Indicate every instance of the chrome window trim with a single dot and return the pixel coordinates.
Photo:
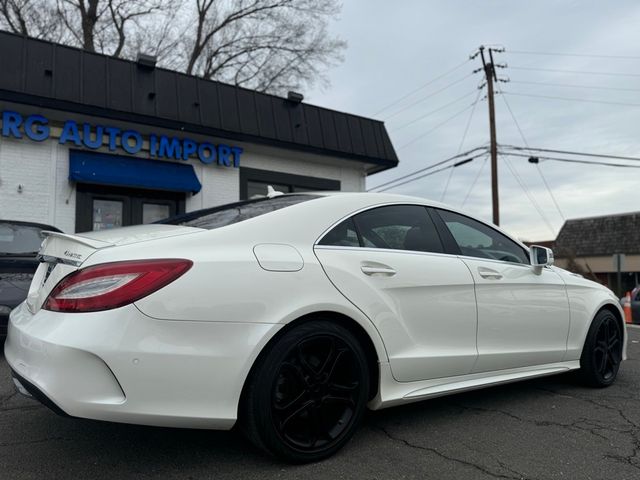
(378, 250)
(364, 209)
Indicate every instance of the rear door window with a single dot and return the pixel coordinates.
(395, 227)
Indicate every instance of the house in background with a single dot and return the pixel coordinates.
(588, 245)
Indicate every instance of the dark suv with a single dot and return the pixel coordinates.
(19, 245)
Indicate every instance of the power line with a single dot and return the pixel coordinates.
(420, 137)
(466, 128)
(571, 160)
(417, 178)
(558, 54)
(475, 180)
(528, 194)
(433, 165)
(464, 136)
(571, 99)
(421, 87)
(582, 72)
(544, 180)
(570, 152)
(411, 122)
(432, 94)
(446, 186)
(428, 174)
(569, 85)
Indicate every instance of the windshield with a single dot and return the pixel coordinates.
(224, 215)
(19, 239)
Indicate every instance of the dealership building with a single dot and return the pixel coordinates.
(92, 142)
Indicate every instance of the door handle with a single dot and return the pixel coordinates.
(378, 270)
(489, 273)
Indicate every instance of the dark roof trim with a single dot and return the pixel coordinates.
(49, 75)
(600, 236)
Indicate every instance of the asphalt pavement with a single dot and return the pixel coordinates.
(551, 428)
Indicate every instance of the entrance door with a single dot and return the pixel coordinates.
(100, 207)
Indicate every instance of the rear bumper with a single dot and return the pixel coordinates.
(123, 366)
(30, 390)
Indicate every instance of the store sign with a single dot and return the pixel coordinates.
(36, 128)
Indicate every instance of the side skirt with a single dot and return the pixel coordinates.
(392, 392)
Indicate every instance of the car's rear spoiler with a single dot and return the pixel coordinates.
(70, 249)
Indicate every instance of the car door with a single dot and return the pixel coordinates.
(523, 312)
(390, 263)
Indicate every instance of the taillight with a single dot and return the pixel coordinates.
(112, 285)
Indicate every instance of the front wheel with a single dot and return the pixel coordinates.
(602, 352)
(307, 395)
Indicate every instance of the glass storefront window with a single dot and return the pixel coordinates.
(107, 214)
(152, 212)
(259, 189)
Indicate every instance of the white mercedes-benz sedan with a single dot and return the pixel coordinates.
(291, 314)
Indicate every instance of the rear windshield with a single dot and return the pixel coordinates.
(19, 239)
(224, 215)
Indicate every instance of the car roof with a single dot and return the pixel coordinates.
(383, 197)
(373, 198)
(379, 197)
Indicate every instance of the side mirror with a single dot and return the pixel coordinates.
(540, 256)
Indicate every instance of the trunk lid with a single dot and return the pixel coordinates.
(62, 254)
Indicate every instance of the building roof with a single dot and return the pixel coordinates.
(54, 76)
(598, 236)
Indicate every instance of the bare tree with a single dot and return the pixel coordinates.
(30, 17)
(109, 26)
(268, 45)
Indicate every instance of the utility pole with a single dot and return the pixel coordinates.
(489, 69)
(490, 76)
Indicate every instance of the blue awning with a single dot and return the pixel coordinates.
(103, 169)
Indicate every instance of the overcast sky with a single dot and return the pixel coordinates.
(395, 47)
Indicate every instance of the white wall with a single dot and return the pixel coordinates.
(42, 168)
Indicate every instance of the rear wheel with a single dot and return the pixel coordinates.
(307, 396)
(602, 352)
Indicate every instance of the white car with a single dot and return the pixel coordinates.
(290, 315)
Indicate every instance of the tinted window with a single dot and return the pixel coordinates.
(342, 235)
(478, 240)
(19, 239)
(398, 227)
(224, 215)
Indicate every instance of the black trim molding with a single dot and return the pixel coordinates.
(58, 77)
(268, 176)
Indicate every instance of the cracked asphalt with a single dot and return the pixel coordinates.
(550, 428)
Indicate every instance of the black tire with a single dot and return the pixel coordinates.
(308, 393)
(602, 352)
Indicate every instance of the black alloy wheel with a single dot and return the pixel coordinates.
(602, 352)
(308, 394)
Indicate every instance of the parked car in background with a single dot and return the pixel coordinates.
(19, 245)
(294, 313)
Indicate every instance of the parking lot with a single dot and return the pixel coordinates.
(545, 428)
